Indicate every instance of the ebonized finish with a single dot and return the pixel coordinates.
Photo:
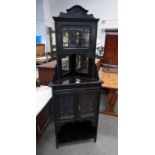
(76, 86)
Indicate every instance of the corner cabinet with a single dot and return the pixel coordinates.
(76, 86)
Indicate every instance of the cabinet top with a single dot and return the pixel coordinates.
(75, 12)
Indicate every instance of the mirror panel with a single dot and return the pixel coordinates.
(65, 65)
(82, 64)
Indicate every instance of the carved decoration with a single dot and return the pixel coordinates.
(87, 105)
(76, 12)
(66, 107)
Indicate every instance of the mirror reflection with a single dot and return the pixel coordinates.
(65, 65)
(82, 64)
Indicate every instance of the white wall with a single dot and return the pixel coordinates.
(43, 21)
(47, 21)
(40, 22)
(47, 12)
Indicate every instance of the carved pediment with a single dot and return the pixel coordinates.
(76, 11)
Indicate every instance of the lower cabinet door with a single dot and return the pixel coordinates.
(88, 103)
(65, 106)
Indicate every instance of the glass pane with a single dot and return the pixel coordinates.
(82, 64)
(65, 38)
(65, 65)
(76, 37)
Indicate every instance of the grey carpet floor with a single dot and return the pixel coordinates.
(106, 144)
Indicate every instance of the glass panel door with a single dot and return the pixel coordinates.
(76, 37)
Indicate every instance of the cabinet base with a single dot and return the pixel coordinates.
(76, 131)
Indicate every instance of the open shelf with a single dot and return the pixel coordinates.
(76, 131)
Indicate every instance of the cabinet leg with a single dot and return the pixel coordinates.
(56, 142)
(57, 146)
(95, 139)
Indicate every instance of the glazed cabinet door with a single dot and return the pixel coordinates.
(88, 102)
(65, 106)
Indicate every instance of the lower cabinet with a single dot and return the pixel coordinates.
(76, 115)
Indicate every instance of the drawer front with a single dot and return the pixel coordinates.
(88, 103)
(65, 106)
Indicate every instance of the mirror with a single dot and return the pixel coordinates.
(65, 65)
(82, 64)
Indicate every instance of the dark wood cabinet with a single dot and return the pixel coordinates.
(76, 86)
